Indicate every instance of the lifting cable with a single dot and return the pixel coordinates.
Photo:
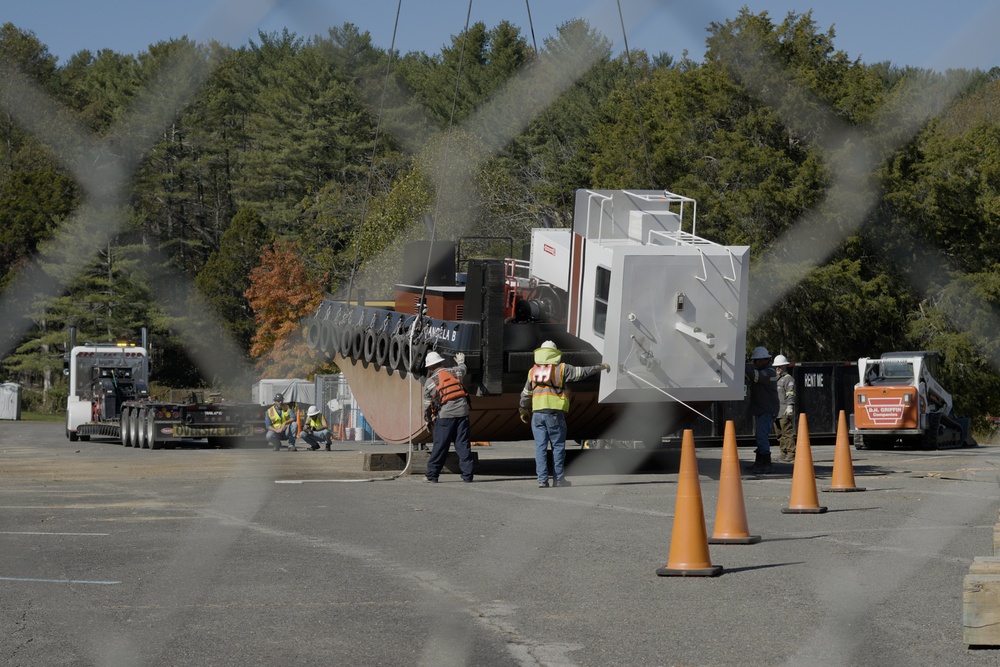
(666, 393)
(635, 94)
(548, 116)
(371, 164)
(417, 320)
(447, 152)
(625, 370)
(357, 247)
(421, 307)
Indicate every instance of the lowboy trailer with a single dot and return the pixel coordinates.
(109, 398)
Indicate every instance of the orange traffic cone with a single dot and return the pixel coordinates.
(804, 499)
(731, 513)
(689, 538)
(843, 469)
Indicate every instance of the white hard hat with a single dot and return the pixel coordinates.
(312, 411)
(760, 352)
(433, 359)
(550, 345)
(780, 360)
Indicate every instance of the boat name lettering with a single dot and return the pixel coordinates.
(442, 333)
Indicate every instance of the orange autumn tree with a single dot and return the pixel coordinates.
(281, 294)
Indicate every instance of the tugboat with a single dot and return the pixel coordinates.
(631, 284)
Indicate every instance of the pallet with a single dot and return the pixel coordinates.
(981, 598)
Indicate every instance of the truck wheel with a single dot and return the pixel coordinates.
(859, 441)
(71, 435)
(138, 420)
(130, 429)
(123, 427)
(150, 424)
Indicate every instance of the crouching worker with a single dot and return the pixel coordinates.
(316, 430)
(281, 424)
(446, 408)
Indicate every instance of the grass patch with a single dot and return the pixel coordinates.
(41, 417)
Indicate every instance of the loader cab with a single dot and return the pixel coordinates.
(901, 368)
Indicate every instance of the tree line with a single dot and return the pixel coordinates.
(300, 166)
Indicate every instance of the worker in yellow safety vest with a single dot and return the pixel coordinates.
(544, 404)
(316, 430)
(281, 424)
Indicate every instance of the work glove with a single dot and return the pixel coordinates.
(525, 416)
(606, 368)
(459, 358)
(789, 411)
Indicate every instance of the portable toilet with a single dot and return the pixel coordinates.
(10, 401)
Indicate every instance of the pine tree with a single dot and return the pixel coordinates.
(226, 276)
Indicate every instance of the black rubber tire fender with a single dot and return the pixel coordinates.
(369, 345)
(346, 340)
(334, 337)
(330, 333)
(314, 335)
(358, 343)
(396, 352)
(381, 349)
(419, 355)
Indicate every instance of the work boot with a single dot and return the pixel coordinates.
(761, 463)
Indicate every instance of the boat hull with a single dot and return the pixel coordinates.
(393, 405)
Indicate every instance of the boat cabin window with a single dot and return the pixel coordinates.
(602, 292)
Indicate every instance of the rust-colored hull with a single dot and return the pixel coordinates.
(383, 399)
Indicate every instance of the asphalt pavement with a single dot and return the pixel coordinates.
(112, 556)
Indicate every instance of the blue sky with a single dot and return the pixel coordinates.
(922, 33)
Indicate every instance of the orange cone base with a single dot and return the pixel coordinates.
(713, 571)
(803, 510)
(749, 539)
(846, 490)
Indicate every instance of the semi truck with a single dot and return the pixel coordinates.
(109, 398)
(898, 401)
